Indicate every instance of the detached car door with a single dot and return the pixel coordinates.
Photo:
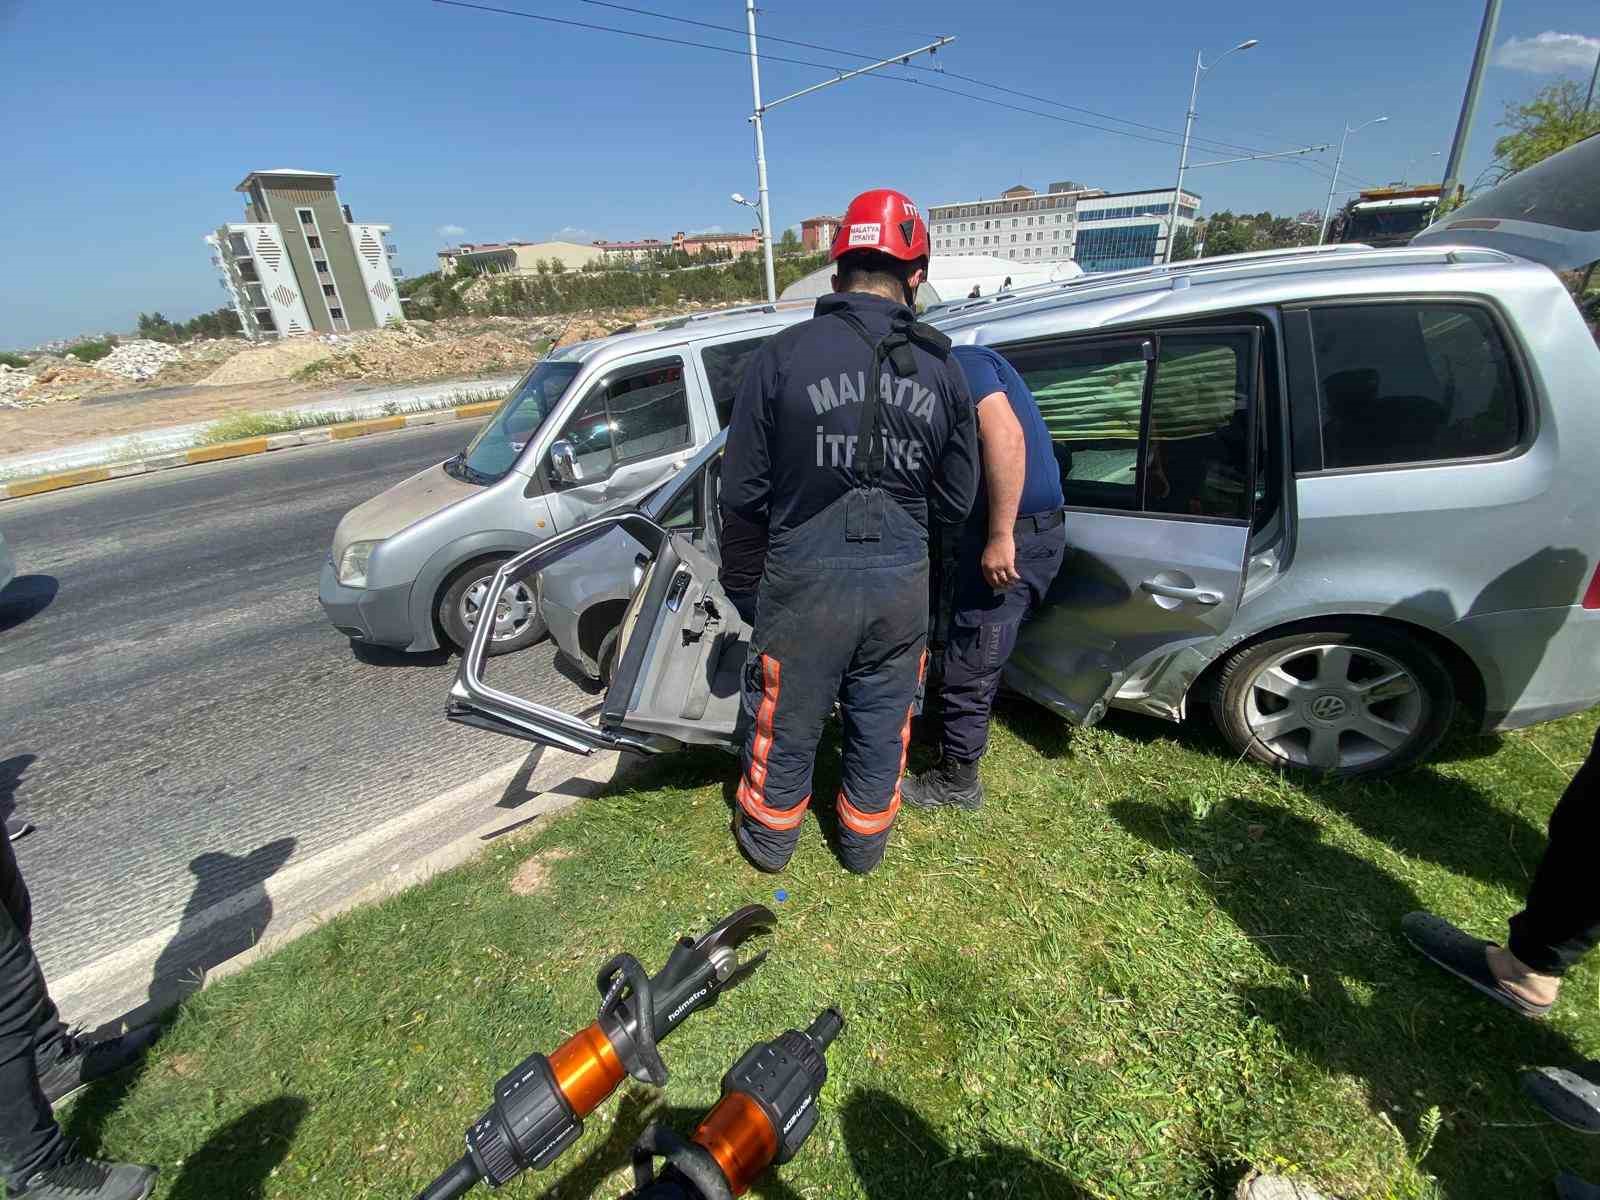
(1156, 437)
(681, 651)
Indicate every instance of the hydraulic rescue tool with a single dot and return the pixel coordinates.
(767, 1111)
(540, 1104)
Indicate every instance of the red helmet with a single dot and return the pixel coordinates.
(883, 220)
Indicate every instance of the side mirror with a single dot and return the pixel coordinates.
(564, 461)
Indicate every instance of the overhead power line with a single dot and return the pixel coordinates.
(744, 53)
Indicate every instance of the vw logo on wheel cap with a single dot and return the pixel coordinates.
(1329, 707)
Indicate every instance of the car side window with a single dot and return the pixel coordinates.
(640, 413)
(725, 363)
(1092, 400)
(1413, 383)
(1198, 452)
(684, 511)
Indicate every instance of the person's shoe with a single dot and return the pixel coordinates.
(945, 784)
(1570, 1187)
(1471, 959)
(1565, 1097)
(80, 1178)
(84, 1062)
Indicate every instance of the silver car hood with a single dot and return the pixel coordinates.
(406, 503)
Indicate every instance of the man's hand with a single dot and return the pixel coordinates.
(999, 562)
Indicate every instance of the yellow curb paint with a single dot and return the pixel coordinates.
(202, 454)
(355, 429)
(50, 483)
(468, 411)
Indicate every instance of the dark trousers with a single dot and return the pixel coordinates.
(983, 629)
(30, 1033)
(841, 615)
(1560, 920)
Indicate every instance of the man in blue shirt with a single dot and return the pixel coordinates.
(1006, 556)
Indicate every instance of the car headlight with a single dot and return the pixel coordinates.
(353, 563)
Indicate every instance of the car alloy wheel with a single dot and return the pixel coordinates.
(1333, 707)
(512, 614)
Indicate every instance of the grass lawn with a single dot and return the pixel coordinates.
(1140, 969)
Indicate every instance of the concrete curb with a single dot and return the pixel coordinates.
(39, 484)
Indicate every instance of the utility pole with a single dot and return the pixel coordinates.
(762, 109)
(1188, 127)
(1333, 184)
(1589, 102)
(761, 156)
(1469, 102)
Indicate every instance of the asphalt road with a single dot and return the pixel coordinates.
(178, 718)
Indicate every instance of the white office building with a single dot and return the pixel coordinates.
(1100, 230)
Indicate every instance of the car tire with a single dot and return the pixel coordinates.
(605, 660)
(519, 612)
(1347, 699)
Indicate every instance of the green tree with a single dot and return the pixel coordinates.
(788, 243)
(1183, 245)
(1553, 120)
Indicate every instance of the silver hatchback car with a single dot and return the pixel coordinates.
(1340, 496)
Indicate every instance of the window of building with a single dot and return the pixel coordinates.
(329, 290)
(314, 242)
(307, 217)
(336, 313)
(725, 364)
(1117, 249)
(265, 321)
(320, 264)
(239, 244)
(1412, 383)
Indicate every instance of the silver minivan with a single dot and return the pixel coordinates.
(592, 426)
(1339, 496)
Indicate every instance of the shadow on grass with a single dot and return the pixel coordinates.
(897, 1155)
(1361, 1002)
(238, 1159)
(633, 1114)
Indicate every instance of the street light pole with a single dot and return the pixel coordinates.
(1333, 184)
(1188, 129)
(1469, 102)
(1589, 100)
(761, 156)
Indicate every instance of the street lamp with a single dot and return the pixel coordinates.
(1327, 213)
(1188, 126)
(738, 198)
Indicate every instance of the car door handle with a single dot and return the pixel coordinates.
(1173, 592)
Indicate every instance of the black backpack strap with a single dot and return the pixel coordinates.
(870, 445)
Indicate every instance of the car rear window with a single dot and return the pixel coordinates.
(1413, 383)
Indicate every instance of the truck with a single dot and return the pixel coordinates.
(1386, 216)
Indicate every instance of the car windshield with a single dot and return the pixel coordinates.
(1387, 226)
(491, 454)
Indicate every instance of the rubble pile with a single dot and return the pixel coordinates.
(12, 382)
(138, 359)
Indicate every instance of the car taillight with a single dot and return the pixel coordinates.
(1591, 594)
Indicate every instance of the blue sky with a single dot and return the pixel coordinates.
(128, 125)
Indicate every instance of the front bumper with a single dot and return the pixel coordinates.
(379, 615)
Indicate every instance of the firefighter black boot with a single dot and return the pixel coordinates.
(945, 783)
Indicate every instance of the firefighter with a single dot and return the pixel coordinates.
(1004, 560)
(849, 433)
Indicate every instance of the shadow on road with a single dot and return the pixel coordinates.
(372, 655)
(227, 913)
(25, 597)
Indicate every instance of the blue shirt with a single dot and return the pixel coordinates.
(988, 372)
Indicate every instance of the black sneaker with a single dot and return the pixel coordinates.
(80, 1178)
(947, 783)
(84, 1062)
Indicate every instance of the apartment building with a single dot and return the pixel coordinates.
(817, 233)
(299, 262)
(1100, 230)
(515, 258)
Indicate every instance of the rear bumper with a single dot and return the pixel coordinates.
(1538, 664)
(378, 615)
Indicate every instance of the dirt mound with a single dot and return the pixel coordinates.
(64, 379)
(278, 360)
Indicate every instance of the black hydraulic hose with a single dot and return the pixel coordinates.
(456, 1181)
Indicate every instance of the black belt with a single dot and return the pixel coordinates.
(1040, 522)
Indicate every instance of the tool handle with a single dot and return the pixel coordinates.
(456, 1181)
